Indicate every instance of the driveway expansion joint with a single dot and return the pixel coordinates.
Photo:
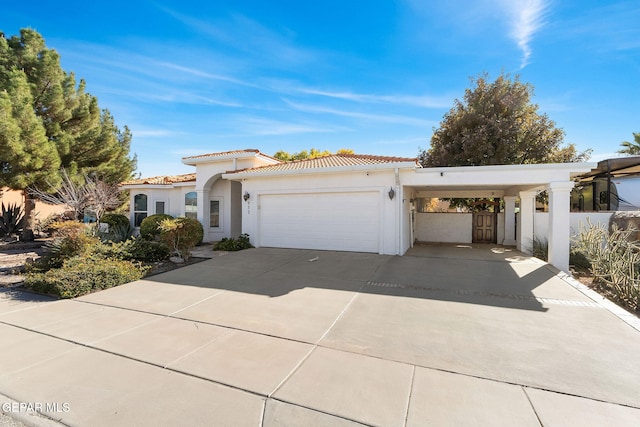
(552, 301)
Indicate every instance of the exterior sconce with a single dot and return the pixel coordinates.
(246, 196)
(392, 193)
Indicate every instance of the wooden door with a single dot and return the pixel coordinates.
(484, 227)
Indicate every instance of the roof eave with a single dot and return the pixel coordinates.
(155, 186)
(310, 171)
(573, 168)
(193, 161)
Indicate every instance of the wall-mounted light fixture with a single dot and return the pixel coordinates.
(392, 193)
(246, 196)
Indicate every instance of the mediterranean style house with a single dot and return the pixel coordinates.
(353, 202)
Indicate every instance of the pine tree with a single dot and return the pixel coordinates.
(86, 138)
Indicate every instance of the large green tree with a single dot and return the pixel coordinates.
(311, 154)
(496, 123)
(49, 122)
(631, 148)
(85, 137)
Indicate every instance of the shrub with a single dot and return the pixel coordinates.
(149, 227)
(615, 262)
(226, 244)
(144, 250)
(111, 250)
(540, 248)
(12, 220)
(70, 240)
(116, 233)
(119, 228)
(80, 276)
(115, 220)
(46, 225)
(181, 235)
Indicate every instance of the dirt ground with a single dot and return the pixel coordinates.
(13, 257)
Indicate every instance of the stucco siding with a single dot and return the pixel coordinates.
(444, 227)
(577, 220)
(340, 184)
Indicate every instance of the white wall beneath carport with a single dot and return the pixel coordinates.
(449, 227)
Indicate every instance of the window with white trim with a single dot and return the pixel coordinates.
(214, 214)
(139, 208)
(191, 205)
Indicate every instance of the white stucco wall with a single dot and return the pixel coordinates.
(173, 198)
(450, 227)
(577, 219)
(444, 227)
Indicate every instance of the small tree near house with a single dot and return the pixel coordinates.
(93, 194)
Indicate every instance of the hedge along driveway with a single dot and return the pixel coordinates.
(311, 337)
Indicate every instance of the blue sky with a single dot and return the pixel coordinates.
(374, 76)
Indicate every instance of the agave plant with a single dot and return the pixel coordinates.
(12, 220)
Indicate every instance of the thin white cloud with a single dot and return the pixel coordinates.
(250, 38)
(416, 101)
(386, 118)
(263, 127)
(526, 18)
(200, 73)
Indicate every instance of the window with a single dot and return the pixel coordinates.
(191, 205)
(159, 207)
(214, 213)
(139, 208)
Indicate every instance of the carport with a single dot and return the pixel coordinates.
(510, 183)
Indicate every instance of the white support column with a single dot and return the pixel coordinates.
(559, 224)
(527, 211)
(509, 221)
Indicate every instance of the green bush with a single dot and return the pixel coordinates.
(149, 227)
(46, 226)
(144, 250)
(129, 250)
(115, 220)
(70, 240)
(181, 235)
(80, 276)
(226, 244)
(111, 250)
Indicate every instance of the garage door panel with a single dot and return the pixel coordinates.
(329, 221)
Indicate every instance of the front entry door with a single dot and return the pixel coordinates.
(484, 227)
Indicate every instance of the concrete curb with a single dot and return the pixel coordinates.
(622, 314)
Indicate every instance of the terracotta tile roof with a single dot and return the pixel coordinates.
(330, 161)
(162, 180)
(228, 153)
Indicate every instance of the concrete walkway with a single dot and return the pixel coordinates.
(446, 335)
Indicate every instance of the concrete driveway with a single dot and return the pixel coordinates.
(446, 335)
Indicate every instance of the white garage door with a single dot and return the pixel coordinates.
(327, 221)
